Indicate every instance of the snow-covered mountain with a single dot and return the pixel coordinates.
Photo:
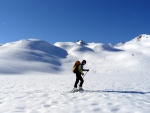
(30, 55)
(81, 42)
(142, 37)
(37, 55)
(118, 80)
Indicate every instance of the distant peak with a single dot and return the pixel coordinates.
(81, 42)
(142, 36)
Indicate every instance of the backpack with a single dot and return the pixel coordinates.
(74, 69)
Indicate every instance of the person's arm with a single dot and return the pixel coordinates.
(84, 69)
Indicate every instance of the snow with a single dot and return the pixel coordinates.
(30, 55)
(36, 77)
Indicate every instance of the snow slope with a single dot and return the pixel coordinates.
(118, 80)
(30, 55)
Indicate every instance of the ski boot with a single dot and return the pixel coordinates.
(74, 90)
(81, 89)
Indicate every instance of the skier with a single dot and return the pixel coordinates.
(79, 71)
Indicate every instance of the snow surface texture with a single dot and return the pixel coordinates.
(36, 77)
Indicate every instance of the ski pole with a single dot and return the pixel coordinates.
(85, 74)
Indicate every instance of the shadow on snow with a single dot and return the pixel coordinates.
(111, 91)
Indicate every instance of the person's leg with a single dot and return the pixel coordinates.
(77, 80)
(81, 81)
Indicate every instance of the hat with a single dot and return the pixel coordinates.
(84, 62)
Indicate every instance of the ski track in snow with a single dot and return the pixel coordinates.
(50, 94)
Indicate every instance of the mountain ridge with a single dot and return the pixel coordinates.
(41, 56)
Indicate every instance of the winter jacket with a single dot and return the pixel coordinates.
(81, 69)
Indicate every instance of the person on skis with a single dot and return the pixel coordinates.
(79, 71)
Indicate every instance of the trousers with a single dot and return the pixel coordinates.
(78, 78)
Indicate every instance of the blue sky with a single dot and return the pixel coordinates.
(69, 20)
